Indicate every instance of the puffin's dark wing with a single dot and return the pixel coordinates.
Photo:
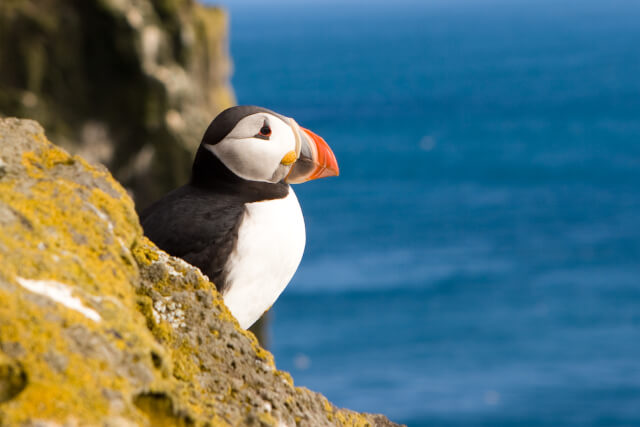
(198, 226)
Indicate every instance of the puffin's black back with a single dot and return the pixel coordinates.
(199, 222)
(198, 226)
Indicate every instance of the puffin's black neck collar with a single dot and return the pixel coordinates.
(210, 173)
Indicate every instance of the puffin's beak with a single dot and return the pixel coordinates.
(316, 159)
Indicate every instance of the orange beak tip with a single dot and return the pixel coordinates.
(326, 162)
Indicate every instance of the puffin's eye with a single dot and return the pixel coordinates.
(265, 131)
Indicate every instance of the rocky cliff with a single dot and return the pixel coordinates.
(100, 327)
(129, 83)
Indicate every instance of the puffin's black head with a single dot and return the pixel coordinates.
(256, 144)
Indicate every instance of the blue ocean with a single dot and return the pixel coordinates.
(477, 262)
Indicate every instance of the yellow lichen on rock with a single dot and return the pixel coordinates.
(100, 327)
(55, 258)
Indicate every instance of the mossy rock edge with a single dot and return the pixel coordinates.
(100, 327)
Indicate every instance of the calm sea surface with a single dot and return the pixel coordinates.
(477, 263)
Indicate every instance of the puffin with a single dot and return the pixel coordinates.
(238, 219)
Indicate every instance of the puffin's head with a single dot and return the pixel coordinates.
(257, 144)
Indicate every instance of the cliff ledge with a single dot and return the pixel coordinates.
(100, 327)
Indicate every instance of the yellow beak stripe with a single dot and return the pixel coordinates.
(289, 158)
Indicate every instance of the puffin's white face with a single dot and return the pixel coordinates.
(260, 147)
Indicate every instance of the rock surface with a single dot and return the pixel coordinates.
(100, 327)
(131, 84)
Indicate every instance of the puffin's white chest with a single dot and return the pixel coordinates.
(270, 244)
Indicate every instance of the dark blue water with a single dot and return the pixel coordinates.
(477, 263)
